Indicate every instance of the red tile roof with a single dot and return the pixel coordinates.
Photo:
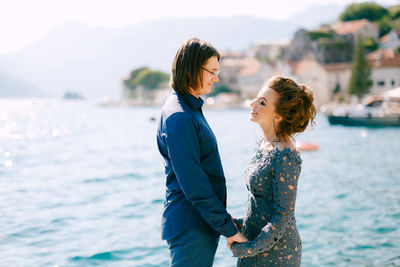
(384, 38)
(387, 62)
(350, 26)
(381, 54)
(342, 66)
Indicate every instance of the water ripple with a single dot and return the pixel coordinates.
(86, 187)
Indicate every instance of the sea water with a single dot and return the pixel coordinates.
(83, 185)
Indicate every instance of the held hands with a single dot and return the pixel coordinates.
(238, 238)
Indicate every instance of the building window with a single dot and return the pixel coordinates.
(381, 83)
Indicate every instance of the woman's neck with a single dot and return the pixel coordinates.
(271, 140)
(269, 134)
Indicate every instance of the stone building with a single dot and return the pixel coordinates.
(267, 51)
(331, 43)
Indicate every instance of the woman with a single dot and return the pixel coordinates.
(282, 109)
(195, 205)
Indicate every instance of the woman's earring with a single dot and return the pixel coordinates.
(274, 126)
(277, 138)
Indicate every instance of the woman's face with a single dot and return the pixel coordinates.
(211, 66)
(263, 107)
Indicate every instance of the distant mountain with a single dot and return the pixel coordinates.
(314, 16)
(57, 62)
(93, 61)
(13, 87)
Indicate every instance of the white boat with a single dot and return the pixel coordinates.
(375, 110)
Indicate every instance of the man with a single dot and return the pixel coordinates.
(195, 206)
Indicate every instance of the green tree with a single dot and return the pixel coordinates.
(370, 44)
(360, 81)
(395, 24)
(145, 77)
(394, 12)
(315, 35)
(223, 89)
(384, 26)
(152, 79)
(369, 10)
(130, 81)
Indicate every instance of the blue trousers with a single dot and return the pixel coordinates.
(193, 248)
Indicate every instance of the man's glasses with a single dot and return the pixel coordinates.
(212, 73)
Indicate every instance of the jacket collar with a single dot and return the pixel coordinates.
(193, 102)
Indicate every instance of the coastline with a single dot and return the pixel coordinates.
(209, 103)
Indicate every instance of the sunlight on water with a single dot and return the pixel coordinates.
(82, 185)
(363, 134)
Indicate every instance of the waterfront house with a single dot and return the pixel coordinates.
(231, 63)
(246, 74)
(327, 81)
(391, 40)
(385, 73)
(252, 77)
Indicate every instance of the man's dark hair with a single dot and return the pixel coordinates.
(186, 67)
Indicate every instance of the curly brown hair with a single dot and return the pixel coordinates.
(295, 106)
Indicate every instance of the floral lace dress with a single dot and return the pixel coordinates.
(269, 222)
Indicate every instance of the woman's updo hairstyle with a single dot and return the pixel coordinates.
(295, 106)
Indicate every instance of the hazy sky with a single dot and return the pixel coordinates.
(23, 22)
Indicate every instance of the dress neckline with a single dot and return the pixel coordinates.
(285, 150)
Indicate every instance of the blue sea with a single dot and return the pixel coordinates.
(83, 185)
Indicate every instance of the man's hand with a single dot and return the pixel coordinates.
(239, 238)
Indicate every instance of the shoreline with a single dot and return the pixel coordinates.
(135, 103)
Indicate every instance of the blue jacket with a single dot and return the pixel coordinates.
(195, 181)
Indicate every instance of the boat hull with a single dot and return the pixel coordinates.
(367, 121)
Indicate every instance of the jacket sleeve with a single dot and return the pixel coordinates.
(184, 151)
(239, 223)
(284, 184)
